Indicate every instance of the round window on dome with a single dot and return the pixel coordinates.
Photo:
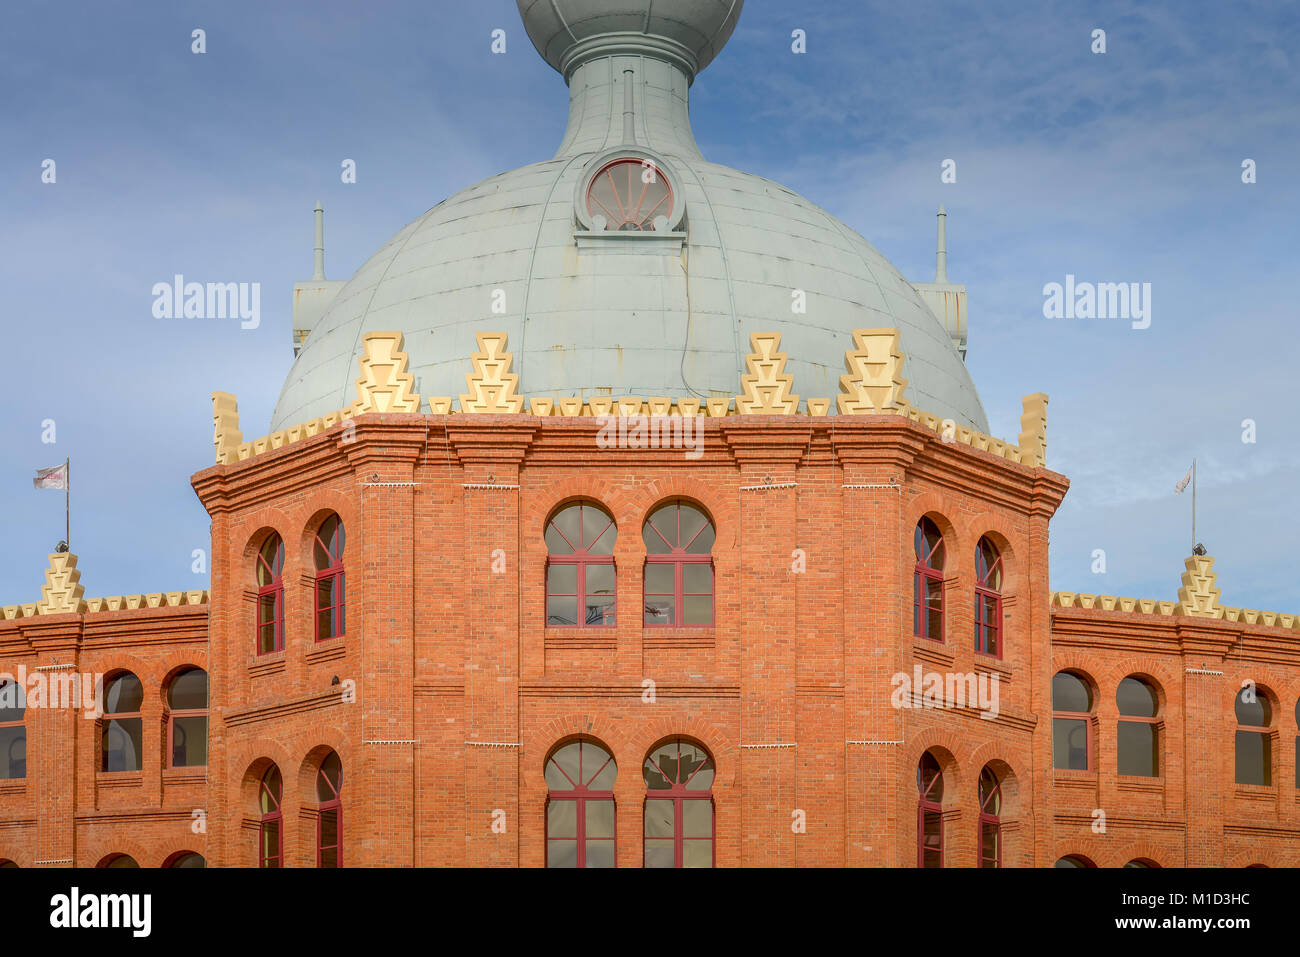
(630, 195)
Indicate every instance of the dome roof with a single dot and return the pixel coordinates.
(656, 311)
(566, 32)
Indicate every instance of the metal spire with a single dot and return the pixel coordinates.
(941, 257)
(318, 271)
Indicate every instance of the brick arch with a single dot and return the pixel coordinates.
(306, 769)
(999, 531)
(181, 852)
(99, 848)
(251, 763)
(721, 509)
(1160, 675)
(1267, 680)
(1267, 856)
(939, 509)
(1092, 847)
(254, 530)
(598, 727)
(719, 744)
(552, 496)
(1013, 804)
(1086, 668)
(315, 511)
(1165, 857)
(172, 663)
(954, 771)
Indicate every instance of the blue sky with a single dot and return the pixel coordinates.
(1117, 167)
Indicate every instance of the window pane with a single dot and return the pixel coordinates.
(123, 694)
(189, 690)
(561, 853)
(270, 843)
(599, 525)
(1136, 742)
(187, 861)
(600, 854)
(697, 610)
(1070, 693)
(697, 578)
(600, 819)
(566, 523)
(121, 745)
(1136, 698)
(562, 819)
(658, 611)
(703, 543)
(989, 849)
(658, 818)
(1255, 714)
(190, 741)
(697, 854)
(600, 580)
(561, 579)
(1253, 758)
(13, 752)
(555, 543)
(657, 775)
(664, 519)
(659, 578)
(13, 702)
(122, 860)
(697, 819)
(562, 611)
(329, 857)
(562, 768)
(599, 610)
(659, 853)
(595, 761)
(692, 520)
(1070, 744)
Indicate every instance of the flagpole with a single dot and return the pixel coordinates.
(1193, 506)
(67, 501)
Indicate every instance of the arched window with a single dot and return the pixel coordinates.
(929, 812)
(185, 859)
(580, 806)
(1137, 738)
(678, 566)
(121, 729)
(990, 789)
(1074, 860)
(1142, 862)
(1071, 722)
(988, 599)
(331, 620)
(580, 566)
(7, 864)
(118, 860)
(13, 731)
(628, 199)
(1254, 737)
(187, 720)
(270, 842)
(679, 805)
(329, 823)
(270, 596)
(927, 618)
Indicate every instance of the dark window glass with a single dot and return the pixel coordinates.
(678, 813)
(1137, 699)
(580, 806)
(1138, 751)
(1070, 693)
(1254, 758)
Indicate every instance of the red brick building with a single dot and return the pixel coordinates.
(722, 625)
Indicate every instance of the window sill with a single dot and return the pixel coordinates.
(119, 779)
(194, 775)
(1065, 777)
(632, 242)
(12, 786)
(1140, 783)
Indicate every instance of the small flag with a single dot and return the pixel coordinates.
(1182, 483)
(56, 477)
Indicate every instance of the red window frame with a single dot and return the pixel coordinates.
(928, 576)
(270, 791)
(174, 713)
(332, 805)
(582, 559)
(19, 722)
(988, 599)
(328, 555)
(109, 718)
(270, 581)
(990, 795)
(929, 783)
(679, 793)
(580, 794)
(679, 557)
(1084, 716)
(627, 215)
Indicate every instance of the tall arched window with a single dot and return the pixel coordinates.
(331, 620)
(679, 805)
(270, 596)
(13, 731)
(990, 790)
(121, 730)
(927, 617)
(187, 719)
(1137, 736)
(1071, 722)
(329, 822)
(988, 599)
(929, 812)
(678, 566)
(1254, 737)
(580, 805)
(270, 843)
(580, 566)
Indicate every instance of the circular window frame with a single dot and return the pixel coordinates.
(602, 161)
